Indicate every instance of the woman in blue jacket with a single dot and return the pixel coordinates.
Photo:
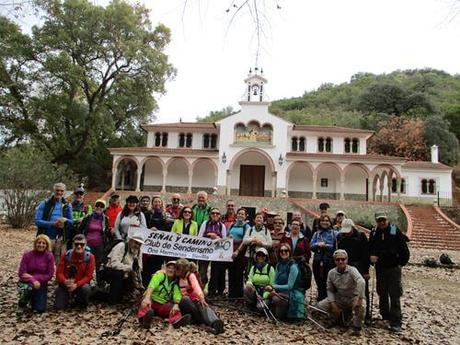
(323, 244)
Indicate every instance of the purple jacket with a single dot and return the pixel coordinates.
(40, 265)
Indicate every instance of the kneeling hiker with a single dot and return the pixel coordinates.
(345, 291)
(123, 268)
(162, 298)
(74, 273)
(287, 294)
(261, 274)
(193, 301)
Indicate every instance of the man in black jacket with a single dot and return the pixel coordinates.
(388, 252)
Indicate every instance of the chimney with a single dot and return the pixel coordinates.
(434, 154)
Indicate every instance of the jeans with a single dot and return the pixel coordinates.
(80, 296)
(98, 252)
(217, 279)
(236, 276)
(40, 299)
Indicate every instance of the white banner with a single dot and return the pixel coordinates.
(185, 246)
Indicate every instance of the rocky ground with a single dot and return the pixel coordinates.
(431, 307)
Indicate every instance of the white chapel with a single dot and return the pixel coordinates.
(255, 153)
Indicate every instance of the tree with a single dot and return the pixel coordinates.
(439, 134)
(400, 136)
(394, 99)
(452, 115)
(26, 177)
(82, 79)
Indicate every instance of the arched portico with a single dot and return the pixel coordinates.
(204, 175)
(125, 173)
(252, 173)
(300, 180)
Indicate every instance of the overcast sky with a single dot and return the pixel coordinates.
(307, 43)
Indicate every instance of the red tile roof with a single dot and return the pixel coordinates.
(333, 129)
(426, 165)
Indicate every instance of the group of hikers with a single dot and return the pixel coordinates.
(270, 271)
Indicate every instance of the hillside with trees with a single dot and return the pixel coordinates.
(409, 110)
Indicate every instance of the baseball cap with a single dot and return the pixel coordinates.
(347, 225)
(379, 215)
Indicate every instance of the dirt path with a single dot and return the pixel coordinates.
(431, 306)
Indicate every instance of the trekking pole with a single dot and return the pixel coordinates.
(266, 309)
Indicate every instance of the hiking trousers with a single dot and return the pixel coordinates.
(80, 295)
(389, 289)
(199, 313)
(346, 305)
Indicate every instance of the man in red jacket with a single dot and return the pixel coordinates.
(74, 273)
(113, 210)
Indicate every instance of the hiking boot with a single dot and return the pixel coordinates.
(356, 331)
(218, 326)
(183, 321)
(395, 328)
(146, 320)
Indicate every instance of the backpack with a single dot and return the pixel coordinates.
(163, 286)
(86, 255)
(430, 262)
(198, 277)
(445, 259)
(108, 250)
(303, 280)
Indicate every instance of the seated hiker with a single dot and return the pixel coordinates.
(162, 299)
(74, 273)
(123, 268)
(345, 291)
(286, 294)
(193, 301)
(261, 274)
(35, 271)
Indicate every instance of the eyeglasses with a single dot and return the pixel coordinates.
(284, 251)
(175, 200)
(99, 205)
(340, 259)
(215, 213)
(230, 205)
(187, 212)
(79, 244)
(381, 220)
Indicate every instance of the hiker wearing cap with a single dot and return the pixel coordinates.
(201, 209)
(95, 227)
(53, 218)
(214, 229)
(236, 268)
(35, 271)
(286, 294)
(323, 244)
(162, 299)
(345, 291)
(113, 210)
(304, 228)
(123, 268)
(323, 207)
(260, 275)
(193, 301)
(74, 274)
(356, 244)
(339, 217)
(80, 209)
(388, 252)
(130, 216)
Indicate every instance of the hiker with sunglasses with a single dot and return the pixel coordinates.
(173, 210)
(286, 295)
(184, 224)
(345, 292)
(214, 229)
(260, 275)
(74, 274)
(95, 227)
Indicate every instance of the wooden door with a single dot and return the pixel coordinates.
(252, 180)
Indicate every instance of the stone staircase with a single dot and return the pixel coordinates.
(431, 230)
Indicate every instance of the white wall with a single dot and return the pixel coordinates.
(355, 181)
(203, 175)
(414, 182)
(177, 174)
(153, 173)
(300, 179)
(333, 176)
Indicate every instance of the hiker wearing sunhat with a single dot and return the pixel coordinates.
(388, 252)
(162, 299)
(95, 227)
(261, 275)
(339, 217)
(355, 243)
(129, 217)
(123, 268)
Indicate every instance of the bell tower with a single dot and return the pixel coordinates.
(255, 84)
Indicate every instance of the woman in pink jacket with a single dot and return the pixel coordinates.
(35, 271)
(193, 301)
